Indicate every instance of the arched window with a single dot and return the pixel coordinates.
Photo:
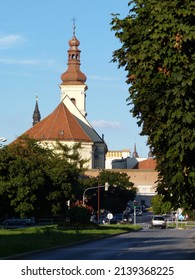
(73, 101)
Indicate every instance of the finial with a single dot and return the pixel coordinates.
(36, 97)
(74, 26)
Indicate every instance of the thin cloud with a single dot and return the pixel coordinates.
(19, 61)
(10, 41)
(23, 61)
(106, 124)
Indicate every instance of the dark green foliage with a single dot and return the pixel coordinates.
(79, 213)
(158, 53)
(37, 181)
(159, 206)
(119, 193)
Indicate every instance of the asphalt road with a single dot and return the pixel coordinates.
(147, 244)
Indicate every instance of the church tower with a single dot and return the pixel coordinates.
(36, 114)
(68, 123)
(135, 154)
(73, 80)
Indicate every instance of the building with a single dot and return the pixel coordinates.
(143, 179)
(141, 171)
(68, 123)
(116, 155)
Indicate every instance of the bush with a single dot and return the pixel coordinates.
(159, 206)
(79, 213)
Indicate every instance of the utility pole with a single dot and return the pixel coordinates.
(98, 187)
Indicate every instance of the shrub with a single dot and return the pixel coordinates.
(79, 213)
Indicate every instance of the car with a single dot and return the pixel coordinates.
(158, 221)
(119, 218)
(143, 208)
(138, 212)
(168, 217)
(17, 222)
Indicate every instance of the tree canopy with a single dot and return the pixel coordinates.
(37, 181)
(158, 54)
(120, 191)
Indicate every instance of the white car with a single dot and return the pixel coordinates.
(158, 221)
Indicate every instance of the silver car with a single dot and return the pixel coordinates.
(158, 221)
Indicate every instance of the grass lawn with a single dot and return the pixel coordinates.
(17, 241)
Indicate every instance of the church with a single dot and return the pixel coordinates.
(68, 123)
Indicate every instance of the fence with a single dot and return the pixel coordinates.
(181, 224)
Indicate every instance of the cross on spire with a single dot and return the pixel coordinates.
(74, 26)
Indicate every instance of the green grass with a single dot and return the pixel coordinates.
(18, 241)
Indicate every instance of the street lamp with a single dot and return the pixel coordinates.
(92, 188)
(98, 187)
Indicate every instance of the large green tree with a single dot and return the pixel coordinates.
(37, 181)
(120, 191)
(158, 53)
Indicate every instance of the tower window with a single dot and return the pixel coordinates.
(73, 101)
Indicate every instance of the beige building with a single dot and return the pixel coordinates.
(144, 180)
(114, 155)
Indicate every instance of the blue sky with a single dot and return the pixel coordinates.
(34, 39)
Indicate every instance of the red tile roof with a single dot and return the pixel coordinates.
(59, 125)
(149, 163)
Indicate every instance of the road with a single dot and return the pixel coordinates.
(147, 244)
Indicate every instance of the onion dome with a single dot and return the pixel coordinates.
(73, 75)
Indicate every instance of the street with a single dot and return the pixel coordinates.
(147, 244)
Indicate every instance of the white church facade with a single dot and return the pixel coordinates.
(68, 123)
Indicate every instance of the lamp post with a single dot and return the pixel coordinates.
(92, 188)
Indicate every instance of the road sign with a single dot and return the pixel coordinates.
(110, 216)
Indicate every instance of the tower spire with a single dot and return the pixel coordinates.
(73, 79)
(36, 114)
(135, 154)
(150, 154)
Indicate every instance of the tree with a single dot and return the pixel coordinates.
(22, 177)
(158, 53)
(64, 171)
(37, 181)
(119, 193)
(159, 206)
(156, 203)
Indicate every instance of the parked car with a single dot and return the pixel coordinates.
(158, 221)
(119, 218)
(17, 222)
(138, 212)
(143, 208)
(168, 217)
